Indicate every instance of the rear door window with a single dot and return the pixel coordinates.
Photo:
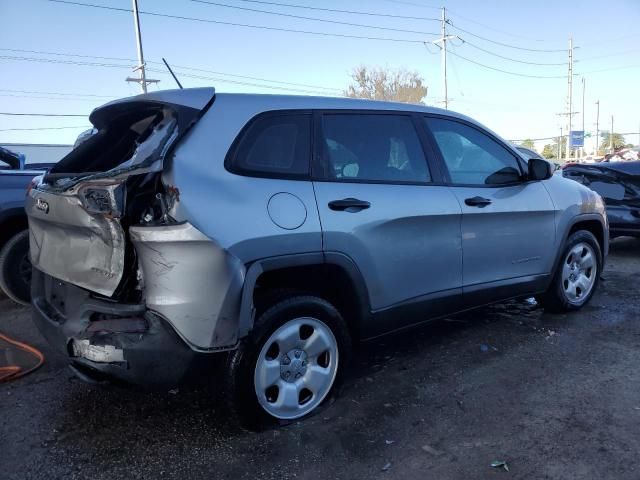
(471, 156)
(371, 148)
(274, 145)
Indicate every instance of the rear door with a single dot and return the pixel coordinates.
(508, 223)
(382, 205)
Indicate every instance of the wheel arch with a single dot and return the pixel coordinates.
(593, 223)
(331, 275)
(12, 221)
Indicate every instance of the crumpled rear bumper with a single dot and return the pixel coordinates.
(109, 341)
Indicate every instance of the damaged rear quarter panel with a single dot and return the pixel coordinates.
(191, 281)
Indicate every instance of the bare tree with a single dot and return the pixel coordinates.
(385, 84)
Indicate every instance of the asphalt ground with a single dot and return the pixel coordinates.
(553, 396)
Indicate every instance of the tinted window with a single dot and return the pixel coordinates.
(472, 157)
(277, 145)
(369, 147)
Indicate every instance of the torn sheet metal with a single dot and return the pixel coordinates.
(191, 281)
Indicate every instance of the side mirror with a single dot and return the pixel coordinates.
(539, 169)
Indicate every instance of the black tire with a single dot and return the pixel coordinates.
(238, 379)
(15, 268)
(554, 299)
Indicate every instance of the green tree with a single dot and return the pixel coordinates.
(605, 143)
(550, 151)
(528, 143)
(384, 84)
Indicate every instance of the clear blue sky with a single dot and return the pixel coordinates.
(515, 107)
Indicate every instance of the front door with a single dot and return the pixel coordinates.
(508, 226)
(379, 205)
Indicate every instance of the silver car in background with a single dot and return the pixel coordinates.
(273, 231)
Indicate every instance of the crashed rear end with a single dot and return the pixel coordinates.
(113, 269)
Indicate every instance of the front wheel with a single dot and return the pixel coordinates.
(577, 275)
(291, 363)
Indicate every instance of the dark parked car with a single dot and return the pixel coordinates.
(15, 267)
(619, 185)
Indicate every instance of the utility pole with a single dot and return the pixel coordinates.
(142, 79)
(443, 49)
(560, 145)
(584, 83)
(597, 126)
(611, 136)
(570, 97)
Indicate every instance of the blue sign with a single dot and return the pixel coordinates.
(577, 138)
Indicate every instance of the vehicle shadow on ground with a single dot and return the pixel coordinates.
(125, 416)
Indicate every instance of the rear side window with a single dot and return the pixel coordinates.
(471, 156)
(274, 145)
(369, 147)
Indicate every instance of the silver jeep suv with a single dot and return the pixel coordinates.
(274, 231)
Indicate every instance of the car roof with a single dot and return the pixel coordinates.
(195, 97)
(630, 168)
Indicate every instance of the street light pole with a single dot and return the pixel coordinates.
(611, 136)
(584, 82)
(570, 99)
(597, 126)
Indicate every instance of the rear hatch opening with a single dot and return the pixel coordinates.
(81, 210)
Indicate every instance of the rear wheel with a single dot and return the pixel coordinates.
(290, 364)
(577, 275)
(15, 268)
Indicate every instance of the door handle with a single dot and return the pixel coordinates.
(349, 204)
(479, 202)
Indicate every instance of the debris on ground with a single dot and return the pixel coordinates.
(500, 464)
(386, 467)
(389, 442)
(431, 450)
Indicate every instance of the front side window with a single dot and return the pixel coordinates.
(472, 157)
(275, 145)
(370, 147)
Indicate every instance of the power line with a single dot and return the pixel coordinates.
(59, 93)
(183, 67)
(335, 10)
(400, 2)
(505, 71)
(624, 67)
(616, 54)
(40, 97)
(64, 62)
(512, 59)
(86, 63)
(467, 19)
(500, 43)
(237, 82)
(43, 114)
(18, 50)
(315, 19)
(233, 24)
(42, 128)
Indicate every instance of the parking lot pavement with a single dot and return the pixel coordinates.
(555, 396)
